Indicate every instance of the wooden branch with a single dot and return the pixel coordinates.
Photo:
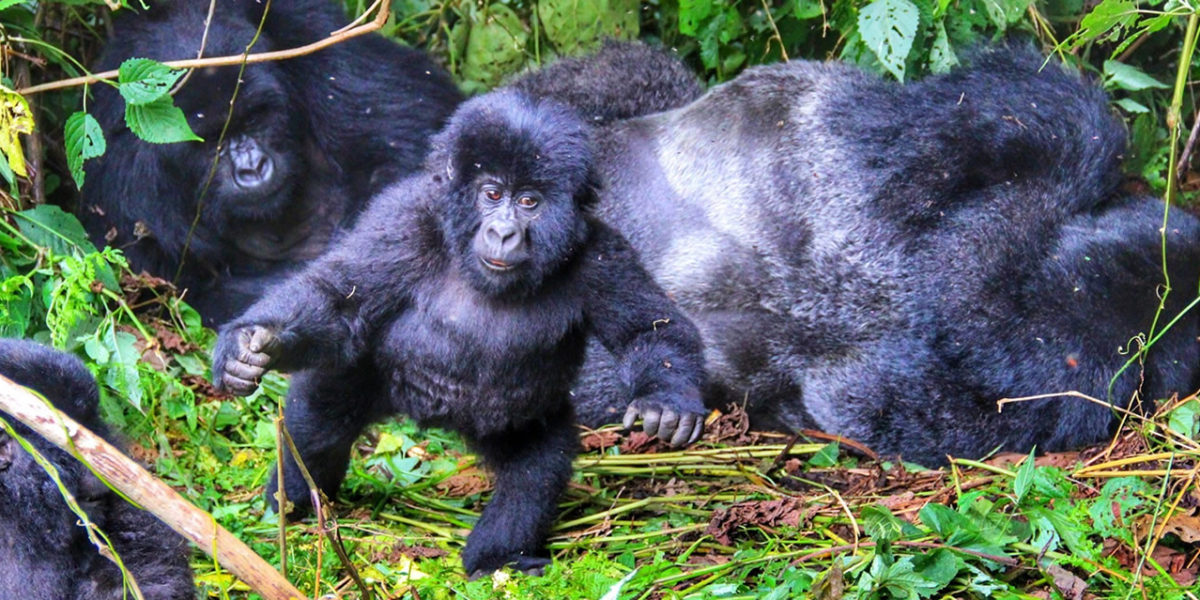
(126, 476)
(224, 61)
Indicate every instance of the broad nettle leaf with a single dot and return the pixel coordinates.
(84, 139)
(159, 122)
(888, 28)
(143, 81)
(692, 13)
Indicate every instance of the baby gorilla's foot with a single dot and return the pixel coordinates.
(529, 565)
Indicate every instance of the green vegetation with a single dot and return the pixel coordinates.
(742, 515)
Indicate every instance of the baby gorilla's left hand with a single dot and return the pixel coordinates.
(674, 419)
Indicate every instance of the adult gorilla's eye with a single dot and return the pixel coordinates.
(527, 201)
(492, 193)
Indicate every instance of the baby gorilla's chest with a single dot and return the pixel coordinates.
(463, 360)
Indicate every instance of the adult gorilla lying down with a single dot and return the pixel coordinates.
(886, 261)
(309, 140)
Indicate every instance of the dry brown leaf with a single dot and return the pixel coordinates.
(594, 441)
(765, 513)
(1068, 583)
(467, 483)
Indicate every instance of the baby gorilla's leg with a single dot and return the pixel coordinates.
(531, 467)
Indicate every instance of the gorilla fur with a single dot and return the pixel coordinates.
(886, 261)
(44, 552)
(309, 140)
(622, 80)
(463, 299)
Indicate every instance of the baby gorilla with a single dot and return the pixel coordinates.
(45, 553)
(464, 298)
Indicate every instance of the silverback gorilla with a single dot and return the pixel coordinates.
(886, 261)
(44, 551)
(309, 140)
(463, 299)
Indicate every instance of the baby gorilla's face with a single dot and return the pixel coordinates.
(515, 234)
(506, 213)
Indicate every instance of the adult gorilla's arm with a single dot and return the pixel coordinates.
(325, 315)
(659, 352)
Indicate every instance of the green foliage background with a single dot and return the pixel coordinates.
(989, 532)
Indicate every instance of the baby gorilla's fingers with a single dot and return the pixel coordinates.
(260, 340)
(243, 370)
(238, 386)
(690, 426)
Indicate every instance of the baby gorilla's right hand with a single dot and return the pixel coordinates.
(241, 358)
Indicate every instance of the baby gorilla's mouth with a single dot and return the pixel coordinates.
(495, 264)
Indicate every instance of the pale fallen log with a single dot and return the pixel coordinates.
(137, 484)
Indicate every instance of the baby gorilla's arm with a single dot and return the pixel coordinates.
(657, 348)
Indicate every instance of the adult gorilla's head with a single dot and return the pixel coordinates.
(519, 179)
(285, 163)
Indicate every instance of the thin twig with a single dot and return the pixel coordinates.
(225, 61)
(326, 523)
(1181, 166)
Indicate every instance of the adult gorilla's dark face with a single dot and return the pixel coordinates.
(516, 175)
(253, 201)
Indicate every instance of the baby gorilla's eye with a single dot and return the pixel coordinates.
(527, 201)
(492, 193)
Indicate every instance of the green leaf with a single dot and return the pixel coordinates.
(159, 122)
(1005, 12)
(6, 4)
(1024, 478)
(1108, 16)
(888, 28)
(48, 226)
(808, 9)
(1185, 419)
(1132, 106)
(143, 81)
(577, 25)
(941, 54)
(939, 566)
(84, 139)
(881, 525)
(692, 13)
(122, 372)
(1128, 77)
(388, 444)
(827, 456)
(495, 46)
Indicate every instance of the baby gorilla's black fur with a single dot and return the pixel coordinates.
(44, 552)
(464, 298)
(309, 140)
